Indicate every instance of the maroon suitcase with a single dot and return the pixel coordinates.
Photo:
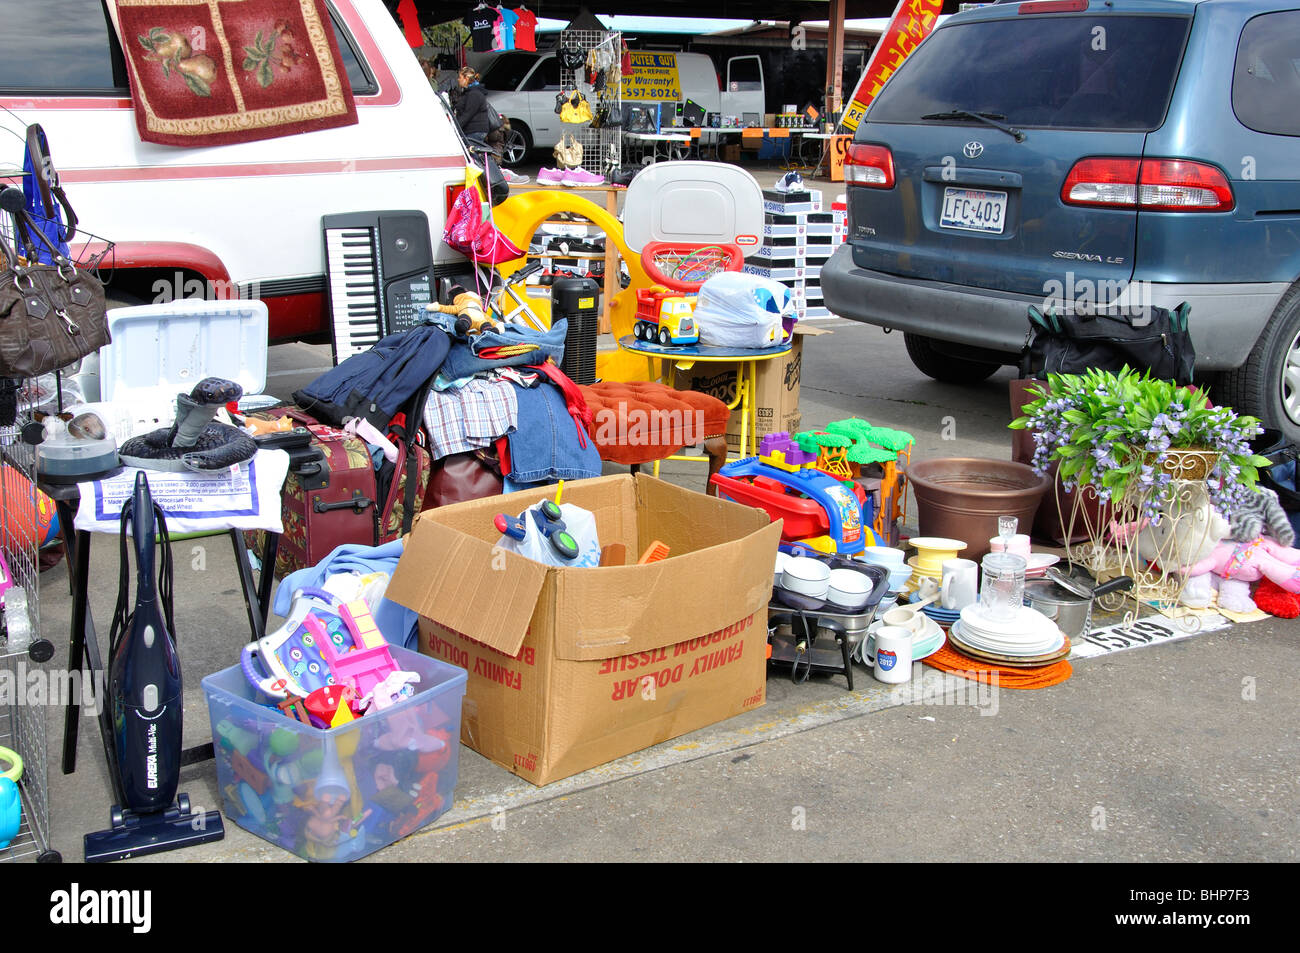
(340, 497)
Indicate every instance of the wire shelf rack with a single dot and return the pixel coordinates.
(24, 512)
(602, 148)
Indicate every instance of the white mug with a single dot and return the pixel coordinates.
(893, 655)
(960, 583)
(905, 617)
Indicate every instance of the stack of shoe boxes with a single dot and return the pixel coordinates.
(799, 234)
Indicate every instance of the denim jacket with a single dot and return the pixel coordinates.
(545, 447)
(463, 359)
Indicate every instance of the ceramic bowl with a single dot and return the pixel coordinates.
(781, 560)
(806, 576)
(849, 588)
(885, 556)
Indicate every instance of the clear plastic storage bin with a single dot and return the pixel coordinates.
(344, 793)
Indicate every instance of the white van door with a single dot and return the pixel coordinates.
(744, 90)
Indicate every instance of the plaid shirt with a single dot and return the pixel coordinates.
(470, 417)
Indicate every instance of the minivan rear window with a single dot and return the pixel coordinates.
(1266, 77)
(1067, 72)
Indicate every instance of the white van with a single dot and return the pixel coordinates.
(522, 86)
(242, 219)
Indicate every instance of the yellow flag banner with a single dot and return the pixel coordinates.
(911, 23)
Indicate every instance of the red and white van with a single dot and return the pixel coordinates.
(233, 220)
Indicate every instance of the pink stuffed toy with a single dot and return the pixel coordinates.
(1237, 565)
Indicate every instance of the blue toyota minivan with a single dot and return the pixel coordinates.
(1098, 153)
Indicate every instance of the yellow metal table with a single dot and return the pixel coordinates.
(683, 357)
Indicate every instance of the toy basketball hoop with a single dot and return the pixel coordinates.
(685, 267)
(691, 220)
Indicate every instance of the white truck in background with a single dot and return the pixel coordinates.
(523, 86)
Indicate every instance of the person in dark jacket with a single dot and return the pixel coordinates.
(471, 109)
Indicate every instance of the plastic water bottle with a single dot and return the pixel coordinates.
(561, 535)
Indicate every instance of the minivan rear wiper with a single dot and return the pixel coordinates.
(989, 119)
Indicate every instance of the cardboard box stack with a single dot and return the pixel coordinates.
(799, 234)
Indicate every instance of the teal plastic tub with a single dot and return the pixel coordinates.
(340, 794)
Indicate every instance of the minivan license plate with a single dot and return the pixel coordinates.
(974, 210)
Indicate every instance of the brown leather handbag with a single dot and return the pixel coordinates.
(52, 315)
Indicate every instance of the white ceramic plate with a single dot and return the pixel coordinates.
(1027, 651)
(1037, 563)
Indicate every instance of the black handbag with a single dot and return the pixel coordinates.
(52, 315)
(1155, 339)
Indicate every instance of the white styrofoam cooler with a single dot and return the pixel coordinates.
(161, 350)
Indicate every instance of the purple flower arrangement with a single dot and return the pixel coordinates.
(1121, 433)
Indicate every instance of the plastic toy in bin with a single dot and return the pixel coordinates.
(548, 532)
(807, 490)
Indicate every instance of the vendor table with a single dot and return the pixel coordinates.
(83, 643)
(684, 357)
(655, 140)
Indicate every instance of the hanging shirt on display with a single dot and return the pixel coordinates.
(506, 28)
(482, 23)
(525, 29)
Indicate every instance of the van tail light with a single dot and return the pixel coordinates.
(870, 165)
(1152, 185)
(449, 194)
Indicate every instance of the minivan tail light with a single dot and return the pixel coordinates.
(1153, 185)
(870, 165)
(1175, 185)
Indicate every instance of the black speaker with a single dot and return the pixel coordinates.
(578, 301)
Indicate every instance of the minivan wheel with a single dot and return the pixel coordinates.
(1267, 385)
(518, 144)
(950, 370)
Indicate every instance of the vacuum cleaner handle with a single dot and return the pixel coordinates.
(144, 532)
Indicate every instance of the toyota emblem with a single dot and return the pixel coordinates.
(972, 149)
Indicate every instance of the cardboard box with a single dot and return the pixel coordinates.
(776, 388)
(571, 668)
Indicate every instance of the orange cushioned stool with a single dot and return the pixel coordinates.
(641, 422)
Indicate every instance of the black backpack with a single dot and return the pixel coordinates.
(494, 118)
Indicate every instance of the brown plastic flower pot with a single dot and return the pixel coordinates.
(962, 498)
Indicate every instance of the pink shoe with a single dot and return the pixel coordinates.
(550, 177)
(582, 177)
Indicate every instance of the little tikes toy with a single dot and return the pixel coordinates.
(289, 661)
(791, 484)
(359, 665)
(11, 803)
(146, 705)
(666, 317)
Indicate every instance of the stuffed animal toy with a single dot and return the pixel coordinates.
(1237, 565)
(1260, 514)
(467, 306)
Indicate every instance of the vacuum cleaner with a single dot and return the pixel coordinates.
(146, 705)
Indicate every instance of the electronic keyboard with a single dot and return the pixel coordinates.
(378, 276)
